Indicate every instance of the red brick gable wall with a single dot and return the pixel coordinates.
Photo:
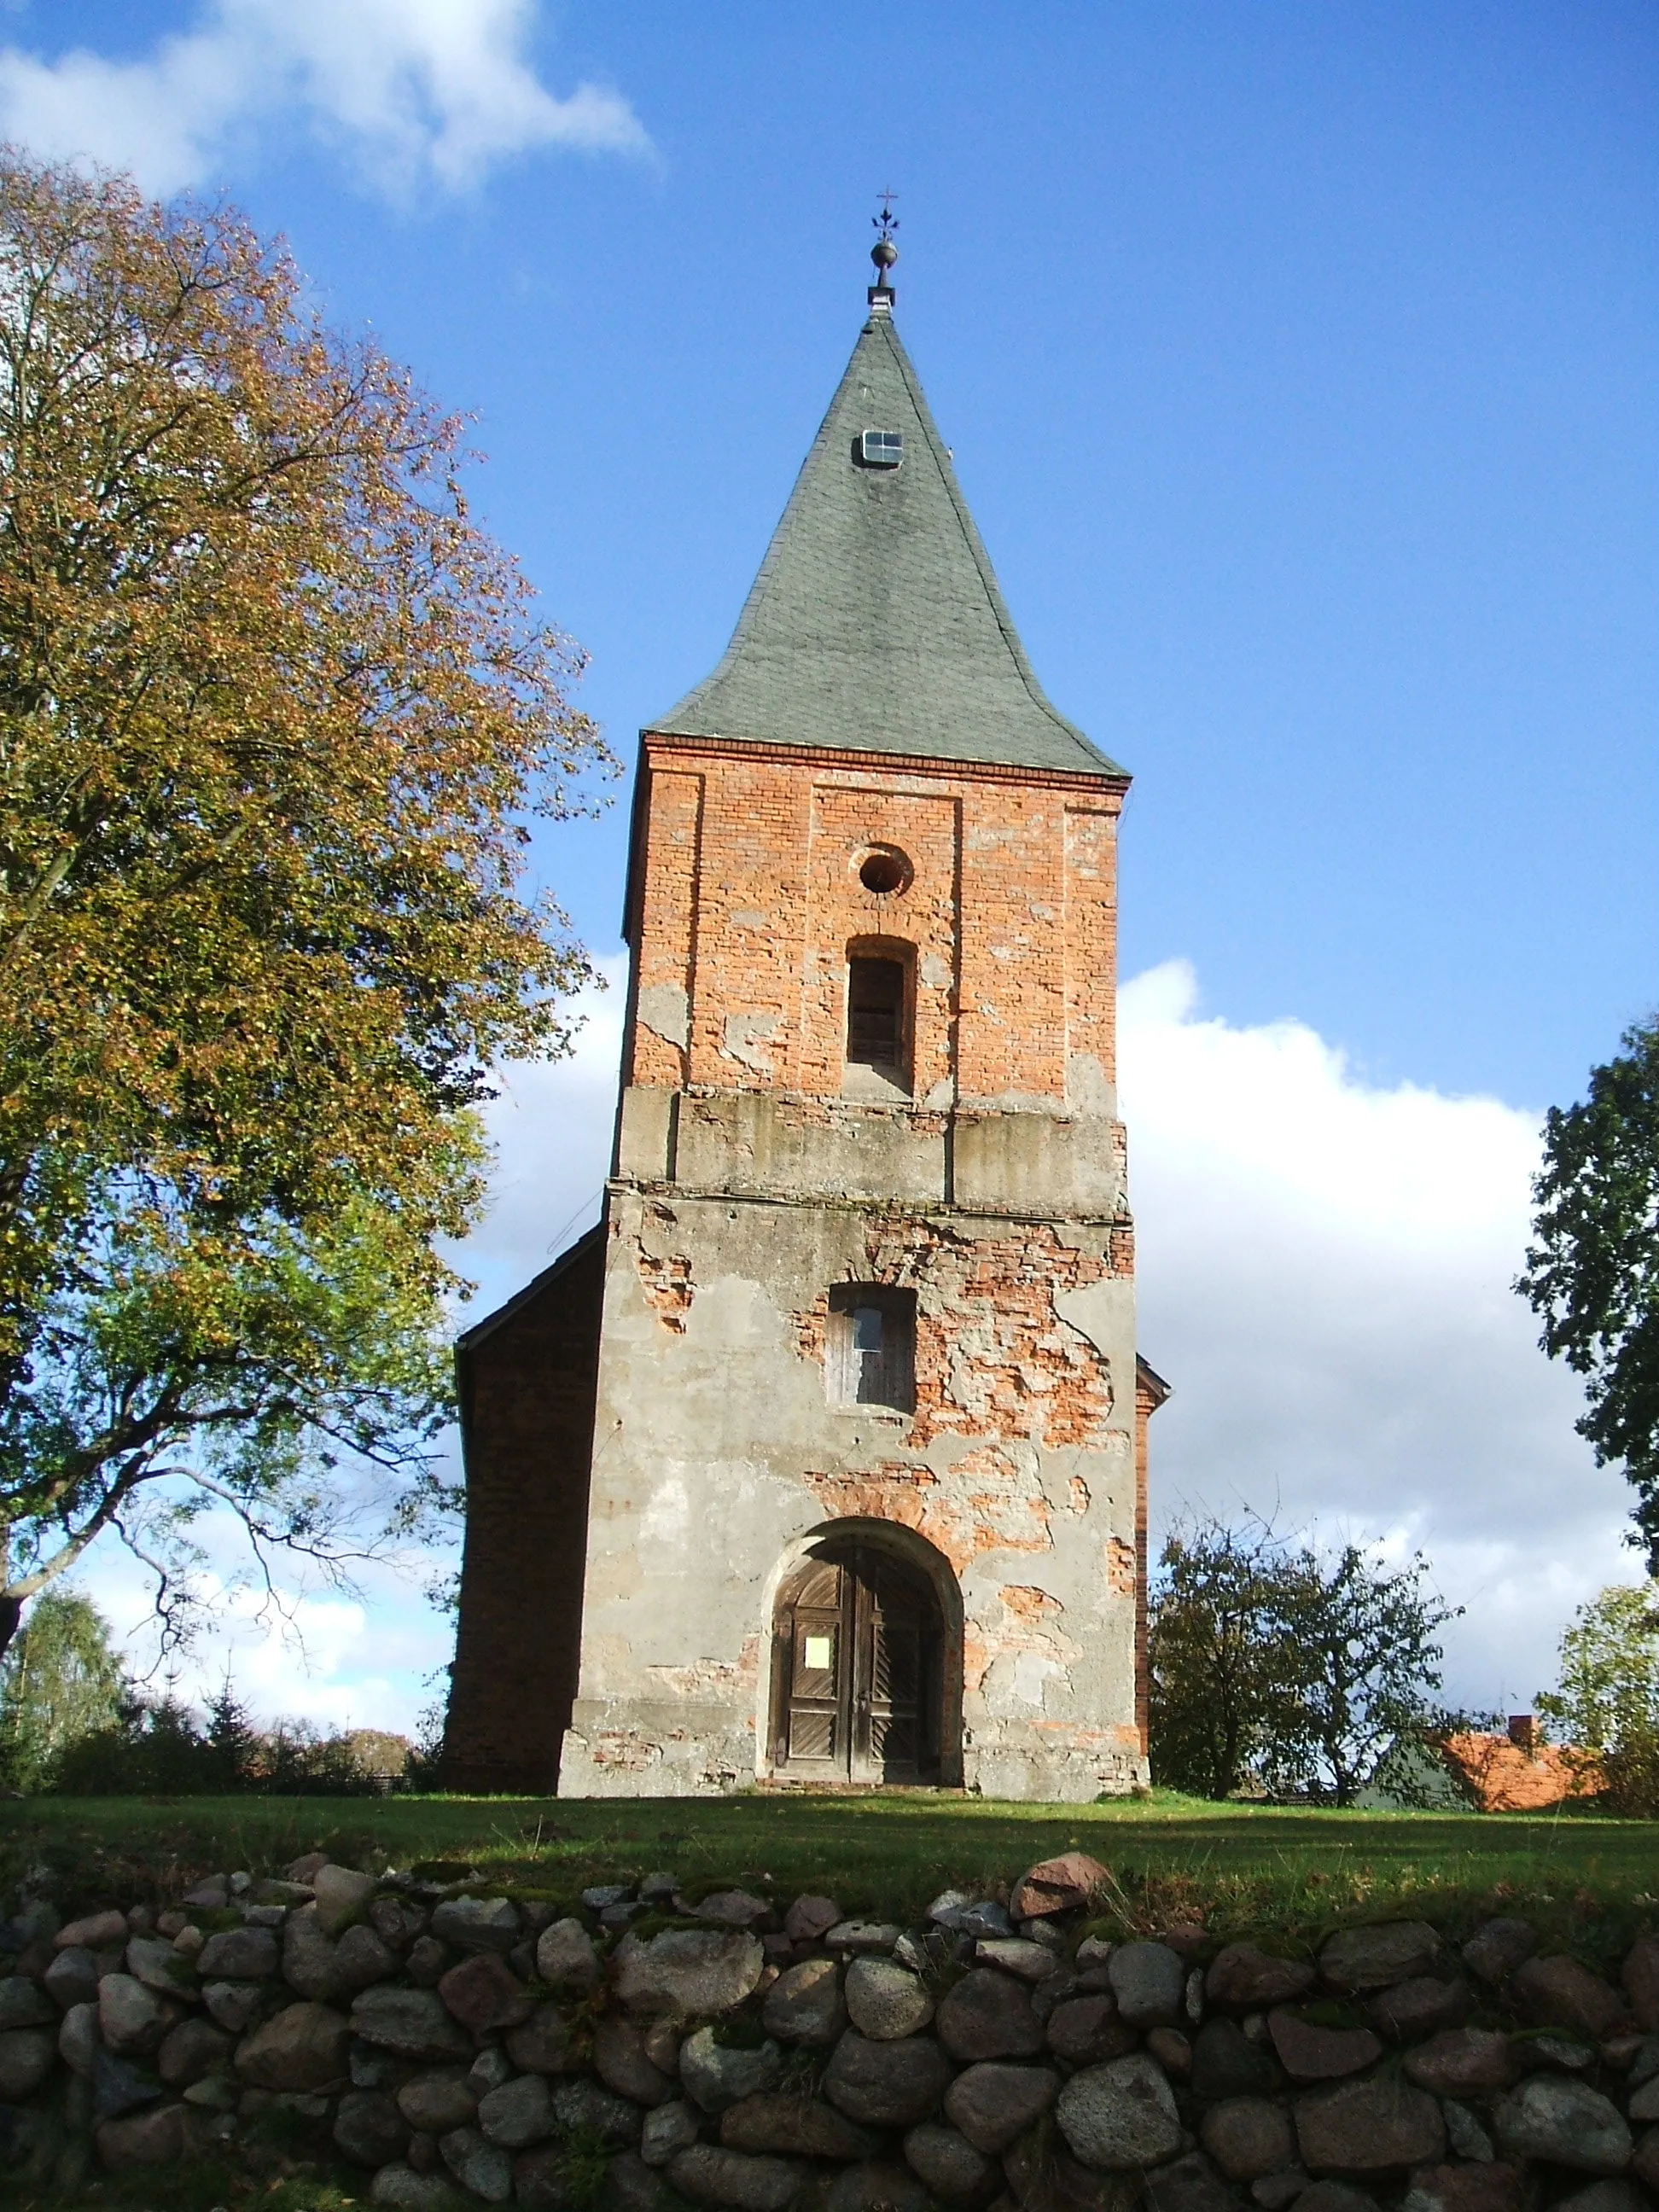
(527, 1393)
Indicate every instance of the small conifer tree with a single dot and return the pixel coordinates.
(231, 1743)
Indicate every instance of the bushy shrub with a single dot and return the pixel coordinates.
(73, 1724)
(160, 1750)
(1631, 1769)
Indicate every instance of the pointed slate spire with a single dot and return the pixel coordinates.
(876, 623)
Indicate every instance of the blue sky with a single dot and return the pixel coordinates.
(1299, 365)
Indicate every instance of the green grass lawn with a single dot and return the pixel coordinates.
(886, 1853)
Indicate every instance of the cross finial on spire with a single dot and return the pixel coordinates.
(883, 254)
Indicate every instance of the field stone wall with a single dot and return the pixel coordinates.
(654, 2051)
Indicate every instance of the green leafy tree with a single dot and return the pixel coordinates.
(1277, 1666)
(1593, 1270)
(1221, 1672)
(1607, 1702)
(274, 716)
(60, 1680)
(1365, 1668)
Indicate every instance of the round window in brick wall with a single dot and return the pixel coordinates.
(885, 870)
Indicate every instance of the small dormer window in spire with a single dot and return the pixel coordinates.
(882, 449)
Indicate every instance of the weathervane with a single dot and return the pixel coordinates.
(884, 252)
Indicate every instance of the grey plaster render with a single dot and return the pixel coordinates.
(718, 1458)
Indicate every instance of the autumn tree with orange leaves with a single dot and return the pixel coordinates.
(274, 714)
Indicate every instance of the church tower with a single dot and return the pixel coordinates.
(822, 1459)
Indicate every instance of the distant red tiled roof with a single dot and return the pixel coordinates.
(1505, 1780)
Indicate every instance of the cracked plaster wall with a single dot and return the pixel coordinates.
(716, 1450)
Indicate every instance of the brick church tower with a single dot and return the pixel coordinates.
(822, 1458)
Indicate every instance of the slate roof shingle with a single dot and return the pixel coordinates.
(876, 623)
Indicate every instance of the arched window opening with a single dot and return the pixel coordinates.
(878, 1023)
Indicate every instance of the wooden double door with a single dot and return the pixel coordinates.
(857, 1645)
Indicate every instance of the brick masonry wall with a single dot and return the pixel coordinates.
(527, 1390)
(747, 897)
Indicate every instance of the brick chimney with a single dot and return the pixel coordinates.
(1523, 1732)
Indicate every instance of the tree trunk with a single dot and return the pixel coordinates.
(11, 1612)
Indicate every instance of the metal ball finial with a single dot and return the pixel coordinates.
(884, 253)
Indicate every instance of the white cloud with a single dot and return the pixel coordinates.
(362, 1658)
(552, 1127)
(411, 89)
(1324, 1278)
(1325, 1271)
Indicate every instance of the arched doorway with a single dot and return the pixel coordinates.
(857, 1668)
